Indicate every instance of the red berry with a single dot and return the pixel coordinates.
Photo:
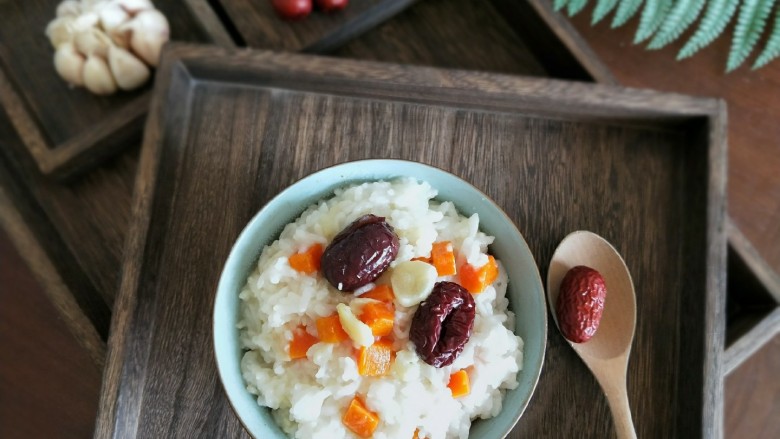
(331, 5)
(580, 303)
(292, 9)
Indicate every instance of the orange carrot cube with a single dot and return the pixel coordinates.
(330, 330)
(476, 279)
(459, 383)
(301, 343)
(359, 419)
(379, 316)
(307, 261)
(382, 293)
(443, 258)
(375, 360)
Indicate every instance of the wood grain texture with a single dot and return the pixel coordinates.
(82, 129)
(519, 140)
(260, 26)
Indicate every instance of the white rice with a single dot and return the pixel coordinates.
(309, 396)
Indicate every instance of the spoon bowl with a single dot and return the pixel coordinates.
(606, 353)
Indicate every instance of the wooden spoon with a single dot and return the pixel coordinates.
(606, 353)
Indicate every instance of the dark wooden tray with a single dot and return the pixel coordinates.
(643, 169)
(66, 130)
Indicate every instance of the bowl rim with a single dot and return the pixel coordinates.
(385, 162)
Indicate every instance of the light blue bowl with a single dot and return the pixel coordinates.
(526, 295)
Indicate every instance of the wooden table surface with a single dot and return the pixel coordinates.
(752, 392)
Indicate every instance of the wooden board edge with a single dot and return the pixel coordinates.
(47, 275)
(580, 98)
(211, 23)
(742, 246)
(358, 26)
(554, 41)
(132, 260)
(717, 251)
(747, 345)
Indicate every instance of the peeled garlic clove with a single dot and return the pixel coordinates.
(412, 281)
(150, 32)
(112, 16)
(69, 64)
(97, 76)
(135, 6)
(129, 71)
(60, 31)
(92, 42)
(69, 8)
(358, 331)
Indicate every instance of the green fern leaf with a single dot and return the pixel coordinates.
(626, 9)
(717, 16)
(652, 16)
(559, 4)
(575, 6)
(750, 24)
(603, 7)
(772, 48)
(680, 17)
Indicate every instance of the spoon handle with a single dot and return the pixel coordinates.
(621, 414)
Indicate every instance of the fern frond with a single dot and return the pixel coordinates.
(575, 6)
(772, 48)
(716, 17)
(626, 9)
(679, 18)
(652, 16)
(750, 23)
(603, 7)
(559, 4)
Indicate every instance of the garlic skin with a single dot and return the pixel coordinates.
(69, 63)
(129, 72)
(150, 32)
(97, 76)
(107, 45)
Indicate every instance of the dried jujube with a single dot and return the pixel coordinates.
(442, 324)
(360, 253)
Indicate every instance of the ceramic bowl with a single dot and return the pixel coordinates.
(525, 292)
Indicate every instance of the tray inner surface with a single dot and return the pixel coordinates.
(229, 142)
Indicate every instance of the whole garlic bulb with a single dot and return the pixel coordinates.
(106, 45)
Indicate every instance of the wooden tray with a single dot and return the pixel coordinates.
(229, 129)
(64, 129)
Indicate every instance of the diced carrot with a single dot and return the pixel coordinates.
(359, 419)
(459, 383)
(301, 343)
(307, 261)
(416, 433)
(425, 259)
(379, 316)
(443, 258)
(375, 360)
(382, 293)
(330, 330)
(476, 279)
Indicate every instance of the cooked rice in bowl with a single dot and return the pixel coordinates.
(310, 395)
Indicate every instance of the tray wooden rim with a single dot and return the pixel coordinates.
(179, 58)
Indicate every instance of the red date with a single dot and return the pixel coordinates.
(580, 303)
(360, 253)
(442, 324)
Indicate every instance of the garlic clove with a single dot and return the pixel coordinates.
(150, 32)
(135, 6)
(121, 34)
(69, 8)
(60, 31)
(87, 20)
(112, 16)
(97, 76)
(92, 42)
(412, 281)
(69, 64)
(129, 72)
(359, 332)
